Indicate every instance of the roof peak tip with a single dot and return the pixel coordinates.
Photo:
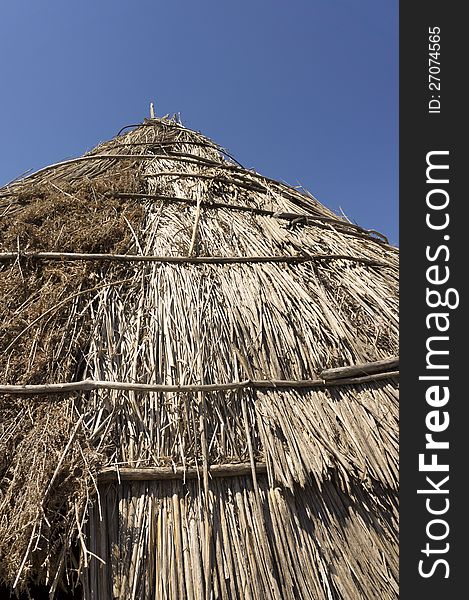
(174, 118)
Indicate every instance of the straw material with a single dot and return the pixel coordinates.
(132, 265)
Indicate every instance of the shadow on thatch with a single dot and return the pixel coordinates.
(265, 539)
(169, 316)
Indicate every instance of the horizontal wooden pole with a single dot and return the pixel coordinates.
(194, 159)
(287, 216)
(109, 474)
(88, 385)
(70, 256)
(88, 157)
(170, 144)
(377, 366)
(309, 219)
(246, 183)
(203, 203)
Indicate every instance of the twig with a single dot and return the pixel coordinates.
(362, 369)
(166, 473)
(70, 256)
(89, 385)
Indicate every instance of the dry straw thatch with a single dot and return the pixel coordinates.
(174, 419)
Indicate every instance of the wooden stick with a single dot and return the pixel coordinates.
(88, 385)
(240, 207)
(207, 204)
(72, 161)
(70, 256)
(247, 184)
(377, 366)
(170, 144)
(195, 231)
(155, 473)
(317, 220)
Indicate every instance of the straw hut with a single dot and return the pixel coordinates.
(198, 382)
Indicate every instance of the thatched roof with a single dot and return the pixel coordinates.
(174, 419)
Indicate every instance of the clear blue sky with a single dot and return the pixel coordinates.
(302, 90)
